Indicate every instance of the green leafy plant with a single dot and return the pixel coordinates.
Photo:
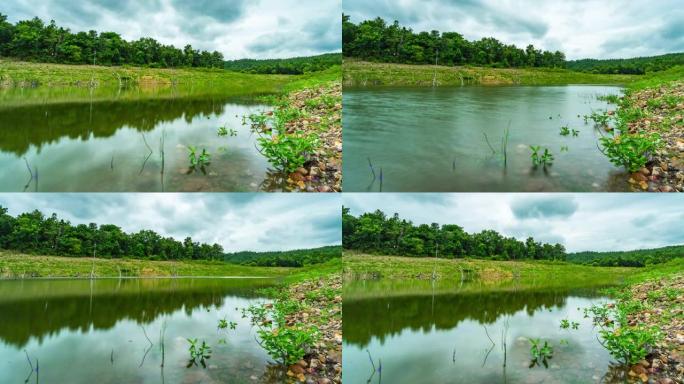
(540, 353)
(575, 133)
(612, 99)
(288, 345)
(566, 324)
(545, 159)
(198, 159)
(223, 131)
(630, 150)
(627, 343)
(565, 131)
(288, 152)
(198, 352)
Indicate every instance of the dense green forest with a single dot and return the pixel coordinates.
(294, 258)
(634, 66)
(376, 233)
(375, 40)
(291, 66)
(636, 258)
(33, 233)
(33, 40)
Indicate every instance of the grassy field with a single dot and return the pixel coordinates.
(26, 74)
(13, 265)
(488, 271)
(361, 74)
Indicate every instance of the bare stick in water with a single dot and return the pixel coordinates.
(371, 167)
(487, 140)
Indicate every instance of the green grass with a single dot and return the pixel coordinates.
(486, 271)
(13, 265)
(657, 79)
(359, 73)
(23, 83)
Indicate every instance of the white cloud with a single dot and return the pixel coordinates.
(237, 221)
(598, 222)
(580, 28)
(236, 28)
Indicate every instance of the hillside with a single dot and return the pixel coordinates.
(289, 66)
(293, 258)
(635, 258)
(632, 66)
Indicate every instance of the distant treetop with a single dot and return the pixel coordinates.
(375, 40)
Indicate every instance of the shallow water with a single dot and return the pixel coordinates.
(82, 331)
(470, 337)
(433, 140)
(121, 142)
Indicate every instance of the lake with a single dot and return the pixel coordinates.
(450, 139)
(110, 331)
(470, 335)
(129, 140)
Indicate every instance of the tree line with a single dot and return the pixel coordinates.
(634, 66)
(291, 66)
(295, 258)
(33, 40)
(34, 233)
(378, 234)
(635, 258)
(375, 40)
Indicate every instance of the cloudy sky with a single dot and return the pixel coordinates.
(580, 28)
(581, 222)
(236, 28)
(239, 222)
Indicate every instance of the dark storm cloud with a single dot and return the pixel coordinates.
(237, 221)
(543, 207)
(580, 28)
(237, 28)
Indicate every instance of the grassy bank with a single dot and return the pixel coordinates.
(26, 74)
(363, 74)
(486, 271)
(14, 266)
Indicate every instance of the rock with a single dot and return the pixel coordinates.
(302, 171)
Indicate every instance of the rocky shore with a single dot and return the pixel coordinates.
(323, 308)
(321, 115)
(664, 308)
(663, 108)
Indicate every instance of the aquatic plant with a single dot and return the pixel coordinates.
(630, 150)
(198, 159)
(612, 99)
(600, 118)
(544, 159)
(575, 133)
(566, 324)
(540, 353)
(224, 324)
(198, 352)
(565, 131)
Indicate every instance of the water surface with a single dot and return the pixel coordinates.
(109, 331)
(433, 140)
(122, 141)
(468, 336)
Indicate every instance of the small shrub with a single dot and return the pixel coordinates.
(288, 152)
(630, 150)
(198, 353)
